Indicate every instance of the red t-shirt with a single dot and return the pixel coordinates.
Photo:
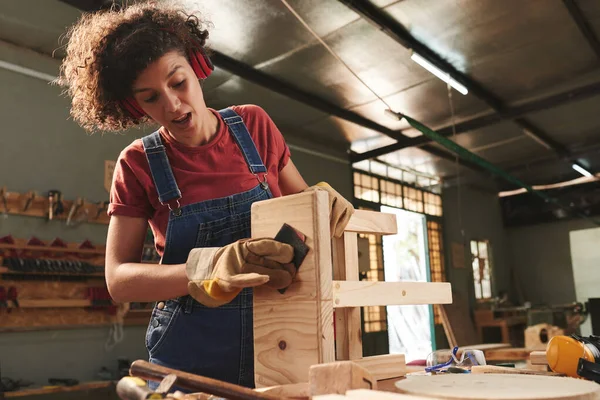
(217, 169)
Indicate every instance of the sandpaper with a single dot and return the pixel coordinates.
(287, 234)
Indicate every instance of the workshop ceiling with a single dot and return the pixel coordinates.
(534, 67)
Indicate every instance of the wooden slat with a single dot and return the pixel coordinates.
(538, 358)
(89, 386)
(53, 303)
(348, 322)
(384, 366)
(363, 293)
(508, 354)
(342, 339)
(364, 221)
(364, 394)
(294, 330)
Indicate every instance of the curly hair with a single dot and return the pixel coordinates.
(107, 50)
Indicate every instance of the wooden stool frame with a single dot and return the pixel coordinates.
(295, 330)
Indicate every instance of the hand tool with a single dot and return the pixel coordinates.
(294, 238)
(145, 370)
(55, 206)
(132, 388)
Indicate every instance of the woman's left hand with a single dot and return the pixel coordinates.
(340, 209)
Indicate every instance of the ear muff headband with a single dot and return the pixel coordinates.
(132, 107)
(201, 65)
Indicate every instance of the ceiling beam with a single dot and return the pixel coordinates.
(401, 35)
(572, 95)
(583, 25)
(276, 85)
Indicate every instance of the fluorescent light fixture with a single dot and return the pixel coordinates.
(582, 170)
(416, 57)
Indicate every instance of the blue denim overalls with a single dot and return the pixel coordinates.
(185, 335)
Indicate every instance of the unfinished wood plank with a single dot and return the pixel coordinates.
(499, 387)
(342, 339)
(506, 354)
(364, 221)
(365, 394)
(53, 303)
(353, 321)
(486, 346)
(495, 369)
(363, 293)
(294, 330)
(293, 390)
(384, 366)
(538, 358)
(348, 322)
(338, 377)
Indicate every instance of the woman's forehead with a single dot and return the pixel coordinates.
(162, 69)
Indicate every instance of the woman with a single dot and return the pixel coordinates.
(194, 180)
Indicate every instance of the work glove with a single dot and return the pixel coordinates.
(340, 209)
(218, 274)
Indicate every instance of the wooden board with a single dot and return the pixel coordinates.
(538, 358)
(508, 354)
(499, 387)
(457, 322)
(364, 221)
(384, 366)
(367, 293)
(348, 330)
(294, 330)
(87, 387)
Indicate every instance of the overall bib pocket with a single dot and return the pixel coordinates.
(223, 231)
(160, 325)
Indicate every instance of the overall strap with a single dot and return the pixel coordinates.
(244, 140)
(164, 180)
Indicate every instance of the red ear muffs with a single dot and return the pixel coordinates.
(132, 107)
(200, 62)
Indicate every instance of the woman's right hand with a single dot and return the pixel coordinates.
(217, 275)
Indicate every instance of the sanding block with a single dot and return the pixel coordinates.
(287, 234)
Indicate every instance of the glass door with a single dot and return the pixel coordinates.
(405, 259)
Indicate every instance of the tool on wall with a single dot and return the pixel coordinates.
(55, 205)
(4, 202)
(77, 204)
(28, 200)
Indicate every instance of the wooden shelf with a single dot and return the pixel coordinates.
(52, 303)
(6, 270)
(50, 249)
(60, 389)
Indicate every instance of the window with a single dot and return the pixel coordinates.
(372, 191)
(375, 317)
(436, 261)
(482, 270)
(366, 187)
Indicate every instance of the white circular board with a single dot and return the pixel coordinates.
(499, 387)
